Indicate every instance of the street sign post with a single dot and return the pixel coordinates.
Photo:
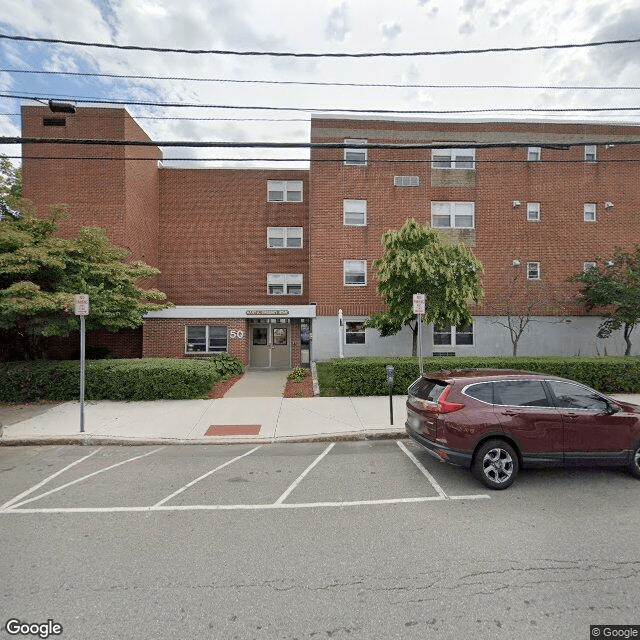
(419, 306)
(81, 308)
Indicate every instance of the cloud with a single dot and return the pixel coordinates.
(338, 24)
(466, 28)
(470, 6)
(613, 60)
(390, 30)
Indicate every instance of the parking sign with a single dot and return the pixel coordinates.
(419, 303)
(81, 304)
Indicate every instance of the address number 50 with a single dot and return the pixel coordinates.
(236, 334)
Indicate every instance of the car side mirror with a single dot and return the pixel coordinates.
(611, 409)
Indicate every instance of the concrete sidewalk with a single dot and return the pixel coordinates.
(227, 420)
(221, 421)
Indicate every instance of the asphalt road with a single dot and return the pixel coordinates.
(352, 540)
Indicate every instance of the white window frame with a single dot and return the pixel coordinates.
(286, 234)
(360, 332)
(452, 332)
(455, 210)
(348, 267)
(287, 281)
(590, 153)
(406, 181)
(533, 211)
(533, 271)
(355, 156)
(590, 212)
(534, 154)
(207, 348)
(287, 188)
(588, 265)
(453, 159)
(354, 207)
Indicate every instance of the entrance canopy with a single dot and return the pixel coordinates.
(250, 312)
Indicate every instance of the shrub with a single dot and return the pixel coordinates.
(298, 374)
(367, 376)
(125, 379)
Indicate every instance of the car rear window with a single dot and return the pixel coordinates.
(426, 389)
(520, 393)
(482, 391)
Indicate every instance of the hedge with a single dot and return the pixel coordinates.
(367, 376)
(126, 379)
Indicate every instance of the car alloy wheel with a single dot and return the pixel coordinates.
(496, 464)
(634, 463)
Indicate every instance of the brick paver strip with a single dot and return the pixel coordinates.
(233, 430)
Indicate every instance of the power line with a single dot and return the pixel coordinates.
(329, 84)
(291, 54)
(184, 105)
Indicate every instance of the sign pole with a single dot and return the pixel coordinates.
(81, 308)
(82, 359)
(419, 305)
(340, 332)
(420, 343)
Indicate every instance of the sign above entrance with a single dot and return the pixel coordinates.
(267, 312)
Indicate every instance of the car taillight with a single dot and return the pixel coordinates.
(445, 406)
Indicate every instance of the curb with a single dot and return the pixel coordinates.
(90, 440)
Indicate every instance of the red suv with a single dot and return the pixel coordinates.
(495, 422)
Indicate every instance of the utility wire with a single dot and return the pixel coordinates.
(291, 54)
(332, 110)
(329, 84)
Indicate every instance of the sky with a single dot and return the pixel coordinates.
(316, 26)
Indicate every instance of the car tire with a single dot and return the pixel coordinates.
(634, 462)
(495, 464)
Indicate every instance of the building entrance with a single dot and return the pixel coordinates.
(270, 346)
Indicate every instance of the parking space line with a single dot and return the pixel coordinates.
(297, 481)
(95, 473)
(427, 475)
(202, 477)
(35, 487)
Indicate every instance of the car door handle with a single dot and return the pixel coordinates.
(509, 413)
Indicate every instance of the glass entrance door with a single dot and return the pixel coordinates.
(270, 346)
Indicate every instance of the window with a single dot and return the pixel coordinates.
(356, 156)
(453, 159)
(284, 190)
(406, 181)
(589, 212)
(534, 154)
(573, 396)
(587, 266)
(354, 213)
(355, 272)
(453, 215)
(533, 211)
(520, 393)
(482, 391)
(533, 271)
(354, 333)
(284, 237)
(590, 154)
(209, 339)
(453, 336)
(284, 284)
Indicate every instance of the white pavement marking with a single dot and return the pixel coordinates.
(95, 473)
(427, 475)
(297, 481)
(244, 507)
(222, 466)
(35, 487)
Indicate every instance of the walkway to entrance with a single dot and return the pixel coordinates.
(259, 384)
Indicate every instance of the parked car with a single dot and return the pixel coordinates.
(496, 422)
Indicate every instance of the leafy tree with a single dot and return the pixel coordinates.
(40, 273)
(10, 188)
(417, 259)
(615, 287)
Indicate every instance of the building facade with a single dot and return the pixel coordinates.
(259, 262)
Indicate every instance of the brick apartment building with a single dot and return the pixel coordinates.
(259, 262)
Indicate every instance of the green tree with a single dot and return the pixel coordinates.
(614, 285)
(10, 188)
(417, 259)
(40, 273)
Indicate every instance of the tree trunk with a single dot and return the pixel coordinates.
(414, 348)
(627, 338)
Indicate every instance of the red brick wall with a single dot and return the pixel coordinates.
(561, 241)
(213, 234)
